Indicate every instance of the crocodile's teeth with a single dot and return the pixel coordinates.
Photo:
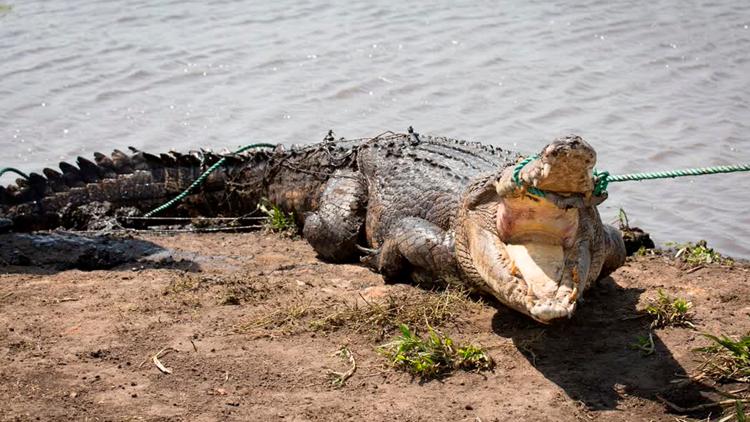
(546, 170)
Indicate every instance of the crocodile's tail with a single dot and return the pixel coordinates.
(138, 182)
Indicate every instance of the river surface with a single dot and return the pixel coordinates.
(651, 84)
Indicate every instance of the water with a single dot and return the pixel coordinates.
(652, 85)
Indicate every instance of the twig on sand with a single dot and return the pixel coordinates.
(694, 269)
(681, 409)
(733, 393)
(158, 363)
(67, 299)
(7, 295)
(645, 345)
(339, 378)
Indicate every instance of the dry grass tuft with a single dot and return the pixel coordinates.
(184, 283)
(286, 319)
(378, 317)
(726, 359)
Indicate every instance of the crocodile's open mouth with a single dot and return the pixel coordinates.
(532, 252)
(536, 235)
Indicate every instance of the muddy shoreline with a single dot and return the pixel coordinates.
(78, 345)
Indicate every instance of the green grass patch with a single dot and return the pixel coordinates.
(670, 311)
(277, 220)
(644, 251)
(695, 254)
(739, 411)
(5, 8)
(727, 359)
(435, 355)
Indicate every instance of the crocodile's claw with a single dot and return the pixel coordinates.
(371, 257)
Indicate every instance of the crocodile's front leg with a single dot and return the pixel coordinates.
(417, 248)
(333, 231)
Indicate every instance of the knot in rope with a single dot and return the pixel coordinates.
(601, 181)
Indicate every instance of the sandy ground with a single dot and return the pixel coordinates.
(240, 310)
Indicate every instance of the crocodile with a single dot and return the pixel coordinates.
(429, 209)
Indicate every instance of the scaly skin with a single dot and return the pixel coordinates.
(429, 209)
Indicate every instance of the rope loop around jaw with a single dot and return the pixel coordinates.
(601, 179)
(517, 171)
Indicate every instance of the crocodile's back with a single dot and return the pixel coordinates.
(421, 177)
(404, 176)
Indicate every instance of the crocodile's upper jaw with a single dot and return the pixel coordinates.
(564, 166)
(531, 253)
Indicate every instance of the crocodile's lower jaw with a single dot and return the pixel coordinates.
(536, 235)
(539, 265)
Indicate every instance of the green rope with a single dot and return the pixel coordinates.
(12, 170)
(603, 178)
(202, 178)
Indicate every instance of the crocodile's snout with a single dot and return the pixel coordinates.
(564, 166)
(547, 311)
(569, 151)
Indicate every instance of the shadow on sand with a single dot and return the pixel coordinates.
(52, 252)
(589, 356)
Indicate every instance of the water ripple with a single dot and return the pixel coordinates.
(653, 85)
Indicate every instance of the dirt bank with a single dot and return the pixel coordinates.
(255, 320)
